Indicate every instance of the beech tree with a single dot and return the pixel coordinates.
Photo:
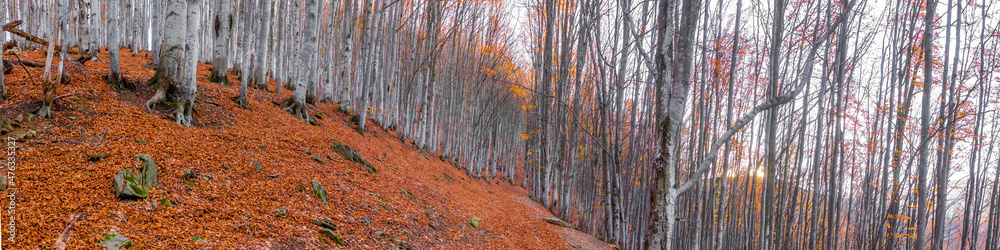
(297, 104)
(168, 80)
(260, 76)
(114, 68)
(222, 26)
(188, 88)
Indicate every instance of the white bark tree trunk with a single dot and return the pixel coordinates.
(170, 71)
(260, 76)
(84, 26)
(156, 30)
(430, 75)
(367, 64)
(297, 106)
(189, 89)
(345, 76)
(222, 27)
(114, 74)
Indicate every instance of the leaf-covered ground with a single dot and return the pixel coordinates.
(414, 199)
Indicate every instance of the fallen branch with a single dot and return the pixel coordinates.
(12, 28)
(64, 236)
(558, 222)
(208, 101)
(25, 68)
(251, 237)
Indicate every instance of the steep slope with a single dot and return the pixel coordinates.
(414, 199)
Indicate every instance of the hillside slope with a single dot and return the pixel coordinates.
(414, 199)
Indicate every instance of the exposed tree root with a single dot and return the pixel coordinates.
(115, 81)
(158, 97)
(183, 113)
(212, 77)
(48, 94)
(240, 100)
(166, 90)
(45, 111)
(299, 111)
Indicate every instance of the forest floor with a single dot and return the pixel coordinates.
(415, 199)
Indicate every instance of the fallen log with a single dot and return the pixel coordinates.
(12, 28)
(558, 222)
(32, 64)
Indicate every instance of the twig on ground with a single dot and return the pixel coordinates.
(64, 236)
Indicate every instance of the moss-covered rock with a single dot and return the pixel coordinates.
(6, 125)
(325, 223)
(331, 235)
(149, 170)
(129, 185)
(320, 192)
(315, 157)
(352, 155)
(116, 242)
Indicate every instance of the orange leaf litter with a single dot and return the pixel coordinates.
(238, 207)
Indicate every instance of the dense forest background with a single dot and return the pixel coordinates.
(652, 124)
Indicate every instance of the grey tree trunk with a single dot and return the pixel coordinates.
(772, 123)
(345, 76)
(114, 74)
(170, 72)
(243, 41)
(156, 30)
(242, 63)
(925, 124)
(297, 105)
(85, 42)
(260, 78)
(663, 198)
(368, 63)
(433, 13)
(222, 27)
(189, 88)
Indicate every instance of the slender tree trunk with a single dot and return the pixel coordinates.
(925, 124)
(260, 78)
(189, 88)
(222, 27)
(156, 31)
(347, 65)
(664, 196)
(114, 67)
(297, 105)
(772, 124)
(430, 74)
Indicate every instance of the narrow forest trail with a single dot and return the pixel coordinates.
(414, 199)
